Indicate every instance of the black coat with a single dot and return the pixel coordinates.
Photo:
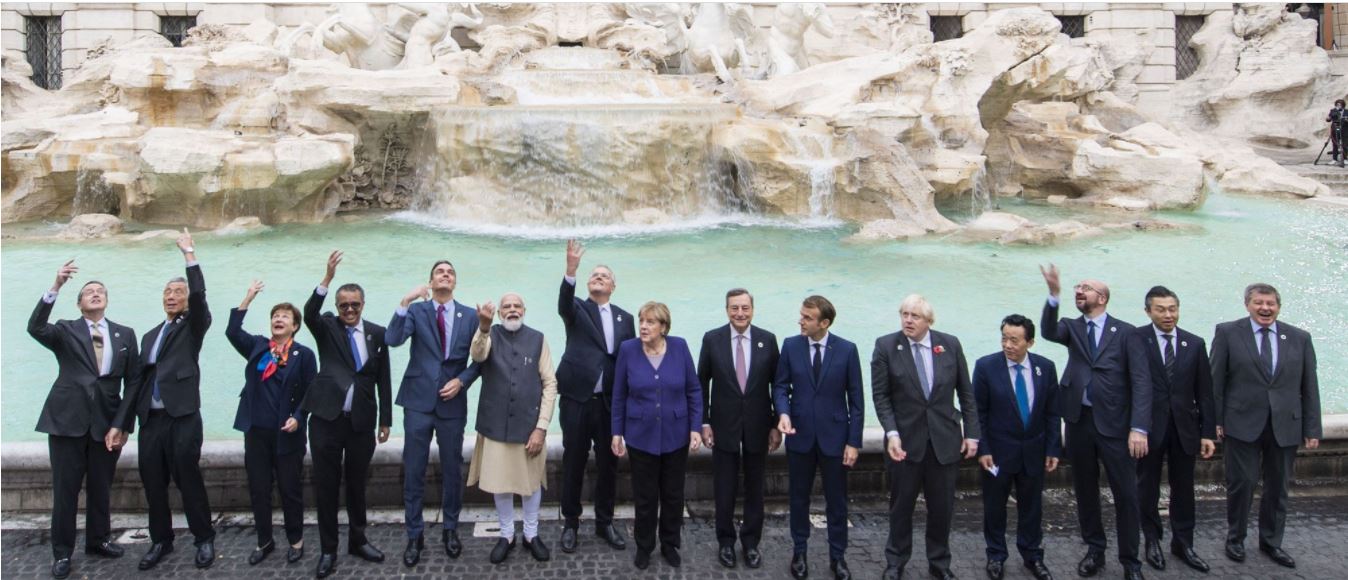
(1187, 399)
(80, 401)
(337, 371)
(176, 368)
(586, 355)
(301, 367)
(738, 419)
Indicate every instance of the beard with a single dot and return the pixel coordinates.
(512, 324)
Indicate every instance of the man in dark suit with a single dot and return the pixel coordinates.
(168, 402)
(1106, 401)
(594, 329)
(1016, 393)
(735, 368)
(95, 357)
(1267, 396)
(818, 398)
(353, 370)
(916, 375)
(1182, 426)
(434, 400)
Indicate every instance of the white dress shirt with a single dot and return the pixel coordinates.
(1025, 372)
(105, 365)
(360, 348)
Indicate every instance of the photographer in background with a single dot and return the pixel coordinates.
(1337, 118)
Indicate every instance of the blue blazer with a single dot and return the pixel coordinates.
(655, 409)
(428, 370)
(295, 377)
(830, 412)
(1014, 446)
(1118, 376)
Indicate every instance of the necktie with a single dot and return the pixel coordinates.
(1090, 339)
(355, 350)
(816, 362)
(440, 325)
(606, 319)
(1266, 349)
(1022, 395)
(1169, 357)
(154, 360)
(97, 338)
(741, 370)
(921, 369)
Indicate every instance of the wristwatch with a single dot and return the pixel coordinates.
(189, 250)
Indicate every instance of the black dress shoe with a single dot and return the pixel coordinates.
(453, 547)
(753, 558)
(412, 554)
(205, 555)
(800, 568)
(1236, 552)
(568, 540)
(367, 552)
(892, 573)
(1155, 557)
(940, 574)
(105, 549)
(840, 570)
(538, 549)
(327, 564)
(1091, 565)
(996, 569)
(1278, 556)
(260, 553)
(642, 560)
(501, 550)
(726, 556)
(60, 568)
(156, 553)
(294, 554)
(1039, 570)
(611, 535)
(1133, 574)
(1189, 557)
(671, 555)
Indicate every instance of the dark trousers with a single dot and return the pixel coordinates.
(73, 461)
(1243, 463)
(801, 468)
(417, 430)
(1181, 469)
(170, 449)
(264, 467)
(340, 451)
(1087, 450)
(1029, 490)
(584, 426)
(936, 483)
(726, 469)
(657, 492)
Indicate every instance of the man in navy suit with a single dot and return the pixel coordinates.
(1106, 401)
(1016, 394)
(1183, 426)
(820, 409)
(434, 400)
(594, 329)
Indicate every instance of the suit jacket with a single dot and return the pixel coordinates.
(586, 355)
(295, 377)
(428, 370)
(829, 412)
(1014, 446)
(655, 409)
(337, 370)
(81, 402)
(1118, 378)
(1187, 399)
(738, 418)
(177, 367)
(901, 405)
(1247, 397)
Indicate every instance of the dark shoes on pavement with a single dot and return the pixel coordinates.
(155, 555)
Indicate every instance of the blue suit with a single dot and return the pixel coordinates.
(1018, 449)
(425, 412)
(827, 415)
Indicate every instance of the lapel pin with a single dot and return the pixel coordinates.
(938, 350)
(1282, 336)
(1113, 329)
(1184, 343)
(1037, 372)
(116, 335)
(900, 346)
(760, 345)
(459, 314)
(620, 318)
(294, 353)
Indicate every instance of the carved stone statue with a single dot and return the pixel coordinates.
(716, 40)
(786, 39)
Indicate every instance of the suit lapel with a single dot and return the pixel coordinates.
(1281, 353)
(1249, 340)
(905, 350)
(1154, 351)
(592, 308)
(1107, 332)
(432, 313)
(79, 329)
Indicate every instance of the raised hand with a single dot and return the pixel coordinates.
(185, 243)
(485, 312)
(64, 273)
(253, 290)
(333, 260)
(574, 250)
(422, 292)
(1051, 278)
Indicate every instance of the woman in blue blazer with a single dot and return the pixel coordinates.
(275, 379)
(657, 413)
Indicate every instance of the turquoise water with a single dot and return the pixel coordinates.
(1299, 247)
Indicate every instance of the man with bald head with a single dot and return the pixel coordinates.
(514, 409)
(1105, 399)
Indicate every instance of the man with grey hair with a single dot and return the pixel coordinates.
(1268, 402)
(514, 410)
(168, 403)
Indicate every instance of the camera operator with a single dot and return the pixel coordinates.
(1337, 118)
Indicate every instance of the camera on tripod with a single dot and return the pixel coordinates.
(1337, 118)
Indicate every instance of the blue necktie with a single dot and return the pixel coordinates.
(1090, 339)
(158, 345)
(1022, 396)
(355, 350)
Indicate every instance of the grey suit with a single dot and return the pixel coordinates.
(1264, 415)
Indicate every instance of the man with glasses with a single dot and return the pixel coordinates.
(1106, 402)
(354, 368)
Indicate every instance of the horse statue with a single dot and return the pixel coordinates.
(786, 39)
(716, 39)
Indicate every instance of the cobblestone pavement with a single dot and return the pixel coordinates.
(1317, 533)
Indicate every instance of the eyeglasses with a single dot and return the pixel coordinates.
(350, 305)
(1084, 288)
